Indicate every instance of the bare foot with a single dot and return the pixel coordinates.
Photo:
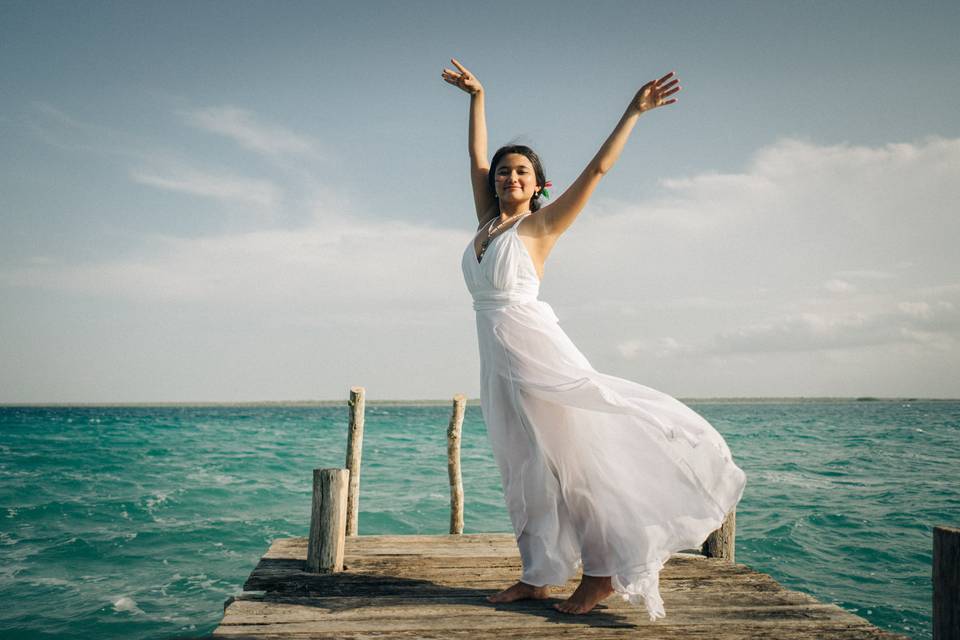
(520, 591)
(591, 590)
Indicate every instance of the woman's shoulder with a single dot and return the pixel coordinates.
(487, 217)
(532, 225)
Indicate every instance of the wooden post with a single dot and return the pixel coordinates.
(327, 519)
(721, 543)
(354, 447)
(946, 583)
(453, 464)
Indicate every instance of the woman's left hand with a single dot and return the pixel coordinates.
(655, 93)
(463, 80)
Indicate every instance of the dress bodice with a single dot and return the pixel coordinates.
(504, 276)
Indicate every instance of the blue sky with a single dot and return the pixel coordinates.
(261, 201)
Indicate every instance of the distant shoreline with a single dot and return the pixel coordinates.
(434, 403)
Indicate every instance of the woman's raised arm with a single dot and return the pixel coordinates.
(477, 139)
(560, 214)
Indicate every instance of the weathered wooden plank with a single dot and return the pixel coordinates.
(698, 632)
(504, 545)
(659, 633)
(395, 545)
(678, 566)
(547, 618)
(438, 580)
(428, 589)
(705, 631)
(459, 578)
(269, 604)
(763, 589)
(677, 563)
(375, 610)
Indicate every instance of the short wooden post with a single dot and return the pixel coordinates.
(453, 464)
(946, 583)
(354, 448)
(721, 543)
(327, 519)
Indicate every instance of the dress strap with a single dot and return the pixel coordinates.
(519, 220)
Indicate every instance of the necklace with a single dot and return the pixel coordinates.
(491, 230)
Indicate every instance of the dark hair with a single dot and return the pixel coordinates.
(534, 159)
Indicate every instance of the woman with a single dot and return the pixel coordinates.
(599, 473)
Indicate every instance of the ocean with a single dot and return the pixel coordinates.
(138, 522)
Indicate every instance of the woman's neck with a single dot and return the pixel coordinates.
(513, 210)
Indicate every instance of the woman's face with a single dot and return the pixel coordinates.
(515, 180)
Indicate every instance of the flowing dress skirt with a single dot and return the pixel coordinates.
(599, 473)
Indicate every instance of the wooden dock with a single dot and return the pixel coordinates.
(433, 586)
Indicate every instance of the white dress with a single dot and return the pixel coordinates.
(598, 472)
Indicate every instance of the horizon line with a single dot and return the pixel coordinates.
(437, 401)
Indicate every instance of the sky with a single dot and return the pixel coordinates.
(252, 201)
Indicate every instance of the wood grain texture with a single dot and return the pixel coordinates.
(453, 463)
(722, 542)
(328, 516)
(357, 405)
(434, 587)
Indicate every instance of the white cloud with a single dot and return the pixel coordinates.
(661, 348)
(836, 285)
(232, 188)
(243, 127)
(869, 274)
(912, 323)
(340, 266)
(812, 331)
(916, 309)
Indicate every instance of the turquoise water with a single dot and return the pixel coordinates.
(140, 522)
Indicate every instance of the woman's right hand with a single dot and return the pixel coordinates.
(462, 79)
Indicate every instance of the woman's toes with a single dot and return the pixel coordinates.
(562, 607)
